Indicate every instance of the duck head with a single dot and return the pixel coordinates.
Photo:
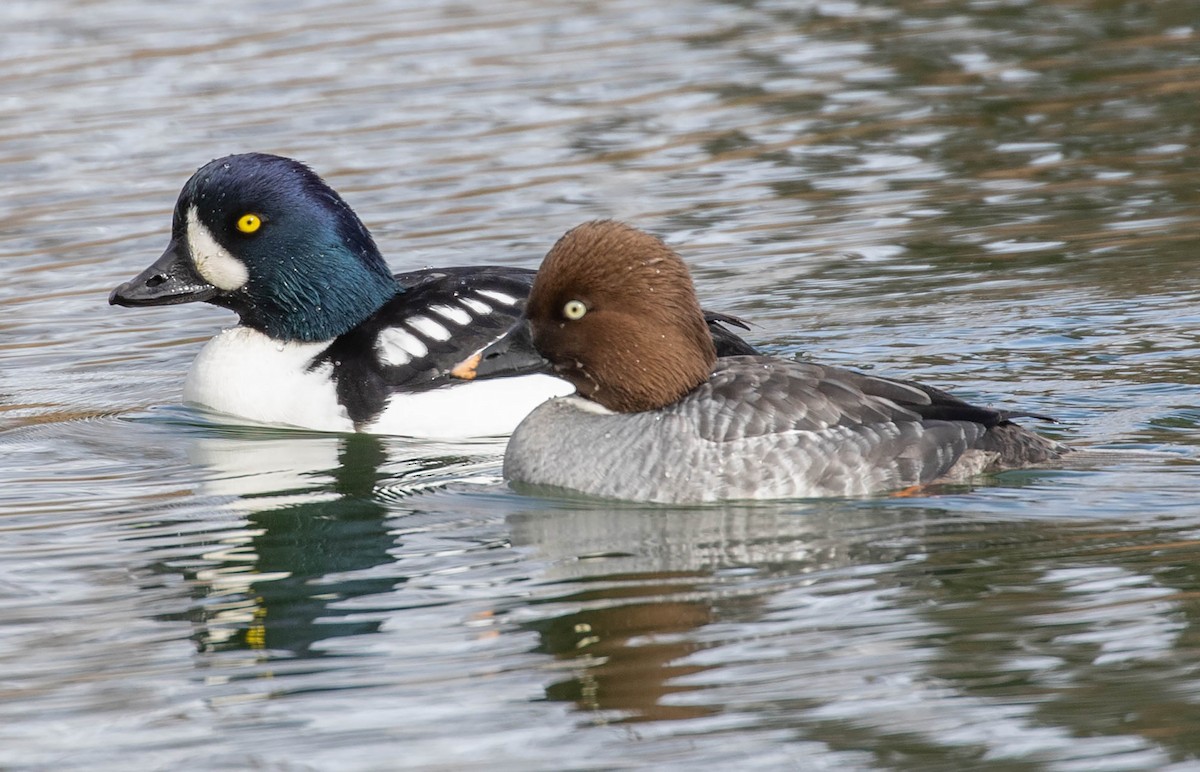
(614, 312)
(265, 237)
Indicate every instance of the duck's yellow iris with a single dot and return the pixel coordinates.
(249, 223)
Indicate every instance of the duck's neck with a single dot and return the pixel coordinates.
(298, 309)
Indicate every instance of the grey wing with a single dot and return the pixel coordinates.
(805, 419)
(756, 396)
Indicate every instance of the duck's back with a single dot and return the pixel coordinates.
(763, 428)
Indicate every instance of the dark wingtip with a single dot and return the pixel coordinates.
(1008, 415)
(717, 316)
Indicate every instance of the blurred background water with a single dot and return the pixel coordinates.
(998, 197)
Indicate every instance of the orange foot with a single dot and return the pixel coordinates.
(912, 490)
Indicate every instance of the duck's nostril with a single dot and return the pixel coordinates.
(155, 280)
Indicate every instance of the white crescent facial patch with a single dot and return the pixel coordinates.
(215, 264)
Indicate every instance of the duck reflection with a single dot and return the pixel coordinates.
(642, 583)
(312, 517)
(628, 655)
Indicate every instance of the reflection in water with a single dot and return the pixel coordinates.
(642, 582)
(895, 627)
(626, 657)
(971, 627)
(314, 520)
(311, 519)
(261, 591)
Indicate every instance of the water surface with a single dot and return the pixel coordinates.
(999, 198)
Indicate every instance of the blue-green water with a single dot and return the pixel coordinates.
(998, 198)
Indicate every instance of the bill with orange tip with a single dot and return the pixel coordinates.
(511, 353)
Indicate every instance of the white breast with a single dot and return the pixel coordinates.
(244, 373)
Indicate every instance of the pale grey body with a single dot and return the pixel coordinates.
(762, 428)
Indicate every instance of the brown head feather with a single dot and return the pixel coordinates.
(642, 342)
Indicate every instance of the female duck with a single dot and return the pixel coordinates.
(657, 417)
(328, 338)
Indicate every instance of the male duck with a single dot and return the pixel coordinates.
(658, 417)
(329, 339)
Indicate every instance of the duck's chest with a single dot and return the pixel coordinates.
(244, 373)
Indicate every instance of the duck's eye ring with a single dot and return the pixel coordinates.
(249, 223)
(574, 310)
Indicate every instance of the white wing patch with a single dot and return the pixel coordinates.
(215, 264)
(478, 306)
(429, 328)
(500, 297)
(398, 347)
(452, 314)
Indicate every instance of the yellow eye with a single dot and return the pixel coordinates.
(574, 310)
(249, 223)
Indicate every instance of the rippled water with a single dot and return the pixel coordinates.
(999, 197)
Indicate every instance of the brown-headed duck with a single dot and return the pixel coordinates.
(658, 417)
